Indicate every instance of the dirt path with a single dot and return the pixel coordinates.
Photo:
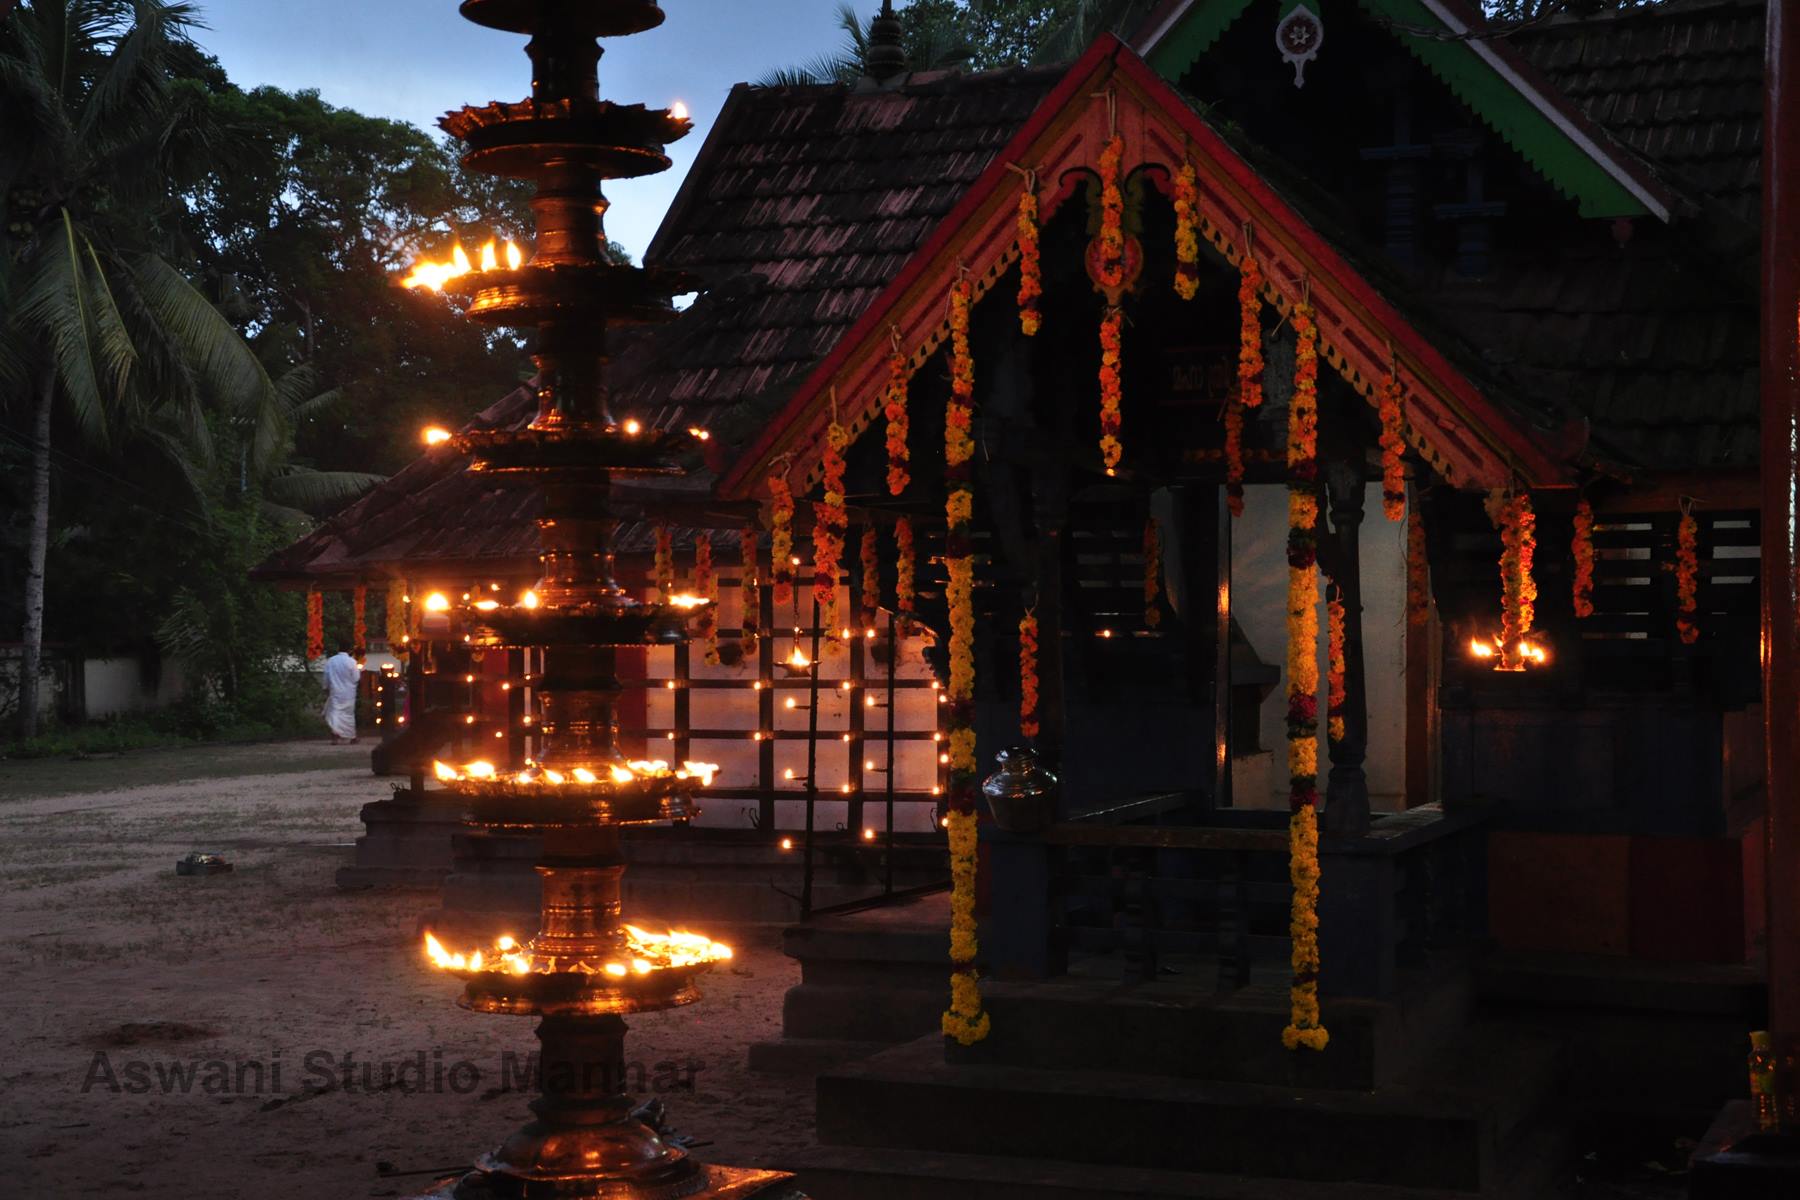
(127, 982)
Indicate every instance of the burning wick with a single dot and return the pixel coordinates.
(434, 275)
(679, 111)
(435, 435)
(529, 599)
(437, 602)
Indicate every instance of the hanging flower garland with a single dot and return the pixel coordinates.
(1418, 579)
(871, 577)
(393, 624)
(1335, 695)
(1028, 675)
(1111, 389)
(830, 524)
(1581, 545)
(1518, 590)
(1187, 235)
(1152, 572)
(906, 568)
(1110, 270)
(706, 586)
(781, 537)
(1303, 1028)
(663, 567)
(1250, 370)
(1393, 447)
(1031, 269)
(898, 455)
(359, 621)
(964, 1020)
(1687, 575)
(315, 624)
(750, 592)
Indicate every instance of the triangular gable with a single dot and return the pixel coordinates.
(1487, 74)
(1460, 432)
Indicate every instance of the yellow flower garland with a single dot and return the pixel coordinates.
(706, 586)
(1335, 694)
(1187, 237)
(1031, 270)
(781, 537)
(1250, 369)
(830, 523)
(1111, 389)
(906, 568)
(897, 424)
(964, 1020)
(1303, 1028)
(1393, 448)
(1518, 590)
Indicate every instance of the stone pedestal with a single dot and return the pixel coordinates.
(407, 841)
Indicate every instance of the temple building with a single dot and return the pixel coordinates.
(1281, 383)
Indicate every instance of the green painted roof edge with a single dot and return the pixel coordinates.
(1549, 150)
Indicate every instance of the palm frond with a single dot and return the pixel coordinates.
(317, 491)
(222, 360)
(53, 311)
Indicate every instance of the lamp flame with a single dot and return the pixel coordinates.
(490, 256)
(435, 435)
(514, 258)
(437, 602)
(433, 275)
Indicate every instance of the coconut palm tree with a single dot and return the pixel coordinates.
(97, 325)
(934, 40)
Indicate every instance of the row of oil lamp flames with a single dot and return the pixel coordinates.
(434, 275)
(649, 952)
(1487, 649)
(621, 773)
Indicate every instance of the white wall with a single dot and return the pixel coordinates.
(1259, 601)
(116, 685)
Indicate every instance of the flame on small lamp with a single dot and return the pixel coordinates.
(528, 599)
(435, 435)
(437, 602)
(1481, 648)
(688, 600)
(679, 111)
(514, 256)
(490, 256)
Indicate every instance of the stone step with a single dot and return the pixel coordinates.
(890, 1015)
(1442, 1127)
(809, 1055)
(1184, 1028)
(855, 1173)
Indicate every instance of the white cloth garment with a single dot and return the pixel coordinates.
(341, 675)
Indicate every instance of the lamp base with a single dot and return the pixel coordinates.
(721, 1183)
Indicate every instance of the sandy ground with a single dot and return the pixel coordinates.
(125, 982)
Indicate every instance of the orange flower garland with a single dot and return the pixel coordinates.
(1249, 390)
(707, 587)
(1418, 579)
(359, 618)
(315, 624)
(781, 537)
(1303, 1028)
(1582, 547)
(1187, 237)
(871, 577)
(1111, 449)
(393, 625)
(1393, 448)
(897, 425)
(663, 567)
(1687, 577)
(906, 568)
(830, 523)
(1335, 694)
(1518, 590)
(1031, 268)
(1110, 271)
(750, 591)
(1028, 676)
(1152, 573)
(964, 1020)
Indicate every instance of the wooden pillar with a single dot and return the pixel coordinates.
(1780, 518)
(1347, 787)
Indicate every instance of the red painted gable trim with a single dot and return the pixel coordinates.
(1464, 435)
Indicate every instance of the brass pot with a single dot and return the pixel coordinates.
(1022, 793)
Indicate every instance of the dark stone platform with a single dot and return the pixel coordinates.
(1735, 1162)
(406, 842)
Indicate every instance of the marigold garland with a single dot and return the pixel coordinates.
(1152, 572)
(1110, 270)
(359, 621)
(1687, 577)
(750, 592)
(1111, 449)
(1031, 270)
(1581, 546)
(1028, 676)
(1187, 236)
(393, 625)
(830, 524)
(964, 1020)
(898, 455)
(1335, 694)
(906, 568)
(706, 587)
(781, 538)
(1418, 579)
(871, 577)
(315, 624)
(1250, 370)
(1303, 1028)
(1393, 448)
(1518, 590)
(663, 566)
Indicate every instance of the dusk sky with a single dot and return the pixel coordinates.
(415, 59)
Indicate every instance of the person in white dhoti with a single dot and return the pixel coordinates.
(342, 673)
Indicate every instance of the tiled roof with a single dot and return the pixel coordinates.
(1679, 82)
